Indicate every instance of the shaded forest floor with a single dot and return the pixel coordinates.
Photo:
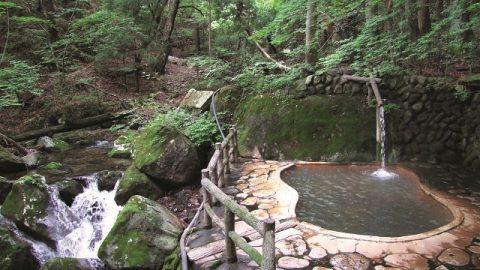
(87, 93)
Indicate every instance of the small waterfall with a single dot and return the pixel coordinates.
(97, 212)
(79, 230)
(382, 172)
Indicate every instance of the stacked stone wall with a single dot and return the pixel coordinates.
(425, 119)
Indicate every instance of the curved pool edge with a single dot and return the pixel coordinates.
(457, 220)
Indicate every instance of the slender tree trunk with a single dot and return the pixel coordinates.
(210, 28)
(309, 51)
(410, 11)
(164, 32)
(467, 35)
(423, 17)
(197, 38)
(438, 10)
(388, 10)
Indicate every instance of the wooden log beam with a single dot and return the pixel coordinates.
(82, 123)
(214, 217)
(376, 91)
(243, 245)
(268, 246)
(240, 211)
(359, 79)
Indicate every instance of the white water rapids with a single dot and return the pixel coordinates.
(94, 213)
(97, 211)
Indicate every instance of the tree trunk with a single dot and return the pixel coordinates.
(198, 45)
(423, 17)
(163, 34)
(467, 35)
(309, 52)
(209, 28)
(410, 11)
(388, 10)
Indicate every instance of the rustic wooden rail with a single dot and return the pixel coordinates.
(213, 178)
(374, 84)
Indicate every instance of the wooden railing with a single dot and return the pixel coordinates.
(213, 177)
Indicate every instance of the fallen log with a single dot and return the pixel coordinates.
(10, 141)
(73, 125)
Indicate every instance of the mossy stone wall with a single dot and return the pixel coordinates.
(312, 128)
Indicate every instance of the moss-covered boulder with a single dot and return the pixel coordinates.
(107, 179)
(337, 128)
(167, 156)
(143, 236)
(30, 206)
(133, 183)
(122, 147)
(10, 162)
(5, 187)
(48, 144)
(15, 254)
(72, 264)
(68, 189)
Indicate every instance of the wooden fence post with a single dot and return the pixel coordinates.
(268, 248)
(208, 199)
(226, 159)
(230, 250)
(236, 152)
(220, 168)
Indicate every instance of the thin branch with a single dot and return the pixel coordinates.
(194, 7)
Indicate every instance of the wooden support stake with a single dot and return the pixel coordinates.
(226, 159)
(230, 250)
(208, 199)
(220, 168)
(235, 144)
(268, 245)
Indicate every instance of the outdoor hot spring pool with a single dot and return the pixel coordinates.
(347, 198)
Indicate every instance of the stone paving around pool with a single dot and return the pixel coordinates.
(301, 245)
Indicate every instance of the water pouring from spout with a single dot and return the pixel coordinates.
(382, 172)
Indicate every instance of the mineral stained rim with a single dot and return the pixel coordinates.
(456, 213)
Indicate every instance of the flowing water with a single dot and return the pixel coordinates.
(80, 229)
(96, 211)
(349, 198)
(382, 173)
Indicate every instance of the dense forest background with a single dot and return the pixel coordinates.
(66, 60)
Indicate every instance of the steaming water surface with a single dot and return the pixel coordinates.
(350, 199)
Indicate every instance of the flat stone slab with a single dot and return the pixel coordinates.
(454, 257)
(474, 249)
(293, 263)
(317, 253)
(350, 261)
(292, 246)
(408, 261)
(196, 99)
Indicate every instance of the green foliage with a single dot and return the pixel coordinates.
(390, 107)
(29, 21)
(461, 94)
(17, 79)
(199, 129)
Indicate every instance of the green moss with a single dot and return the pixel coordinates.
(27, 202)
(61, 264)
(173, 261)
(119, 153)
(150, 144)
(54, 165)
(316, 128)
(61, 145)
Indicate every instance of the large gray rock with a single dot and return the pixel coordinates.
(194, 99)
(167, 156)
(144, 236)
(133, 183)
(30, 206)
(107, 179)
(69, 189)
(5, 187)
(15, 253)
(9, 162)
